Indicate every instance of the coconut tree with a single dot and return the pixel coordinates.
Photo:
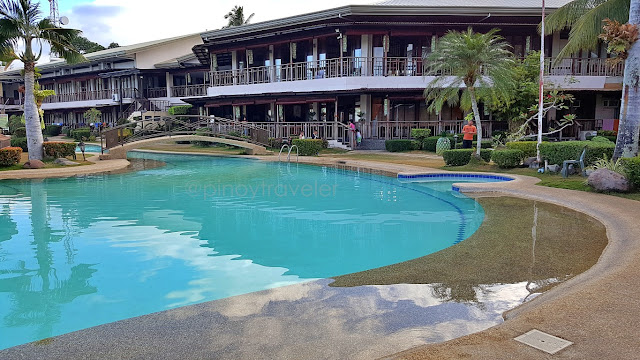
(235, 17)
(23, 32)
(480, 67)
(585, 18)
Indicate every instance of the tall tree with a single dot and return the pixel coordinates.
(21, 27)
(480, 68)
(235, 17)
(84, 45)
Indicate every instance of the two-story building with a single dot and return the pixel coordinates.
(366, 63)
(135, 79)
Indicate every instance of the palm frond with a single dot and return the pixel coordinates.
(567, 15)
(584, 32)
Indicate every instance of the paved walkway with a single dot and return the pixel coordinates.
(598, 310)
(61, 172)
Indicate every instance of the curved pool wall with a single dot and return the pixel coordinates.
(84, 251)
(442, 180)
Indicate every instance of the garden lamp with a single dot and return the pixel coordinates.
(82, 147)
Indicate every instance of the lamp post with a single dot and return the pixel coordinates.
(82, 148)
(541, 96)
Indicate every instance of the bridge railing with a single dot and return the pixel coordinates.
(162, 126)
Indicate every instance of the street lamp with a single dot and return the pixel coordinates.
(81, 145)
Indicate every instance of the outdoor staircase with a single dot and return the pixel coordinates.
(335, 144)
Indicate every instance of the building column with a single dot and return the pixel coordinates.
(316, 110)
(272, 69)
(365, 107)
(234, 66)
(169, 80)
(365, 44)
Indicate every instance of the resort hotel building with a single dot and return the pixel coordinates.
(319, 71)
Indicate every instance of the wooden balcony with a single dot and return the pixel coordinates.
(90, 95)
(189, 90)
(383, 67)
(158, 92)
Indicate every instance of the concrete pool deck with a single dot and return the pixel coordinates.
(98, 166)
(597, 310)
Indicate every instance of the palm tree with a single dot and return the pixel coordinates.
(481, 64)
(236, 17)
(21, 24)
(584, 18)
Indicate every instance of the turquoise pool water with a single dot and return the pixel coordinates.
(84, 251)
(89, 148)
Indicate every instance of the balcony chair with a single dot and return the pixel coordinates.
(579, 161)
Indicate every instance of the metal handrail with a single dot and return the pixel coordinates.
(281, 149)
(289, 154)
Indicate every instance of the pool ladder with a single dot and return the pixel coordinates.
(286, 146)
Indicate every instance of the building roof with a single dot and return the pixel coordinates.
(476, 3)
(125, 52)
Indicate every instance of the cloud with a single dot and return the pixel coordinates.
(129, 22)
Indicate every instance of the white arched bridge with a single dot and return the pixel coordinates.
(136, 134)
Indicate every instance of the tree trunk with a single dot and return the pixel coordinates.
(476, 115)
(31, 116)
(627, 141)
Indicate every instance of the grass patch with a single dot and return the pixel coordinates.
(501, 252)
(47, 164)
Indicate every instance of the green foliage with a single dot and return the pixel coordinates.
(52, 130)
(20, 132)
(235, 17)
(610, 164)
(508, 158)
(308, 147)
(602, 139)
(461, 157)
(607, 133)
(92, 115)
(20, 142)
(15, 122)
(57, 149)
(81, 134)
(526, 74)
(10, 156)
(429, 143)
(420, 134)
(84, 45)
(558, 152)
(398, 145)
(528, 148)
(275, 143)
(632, 170)
(443, 144)
(180, 110)
(201, 132)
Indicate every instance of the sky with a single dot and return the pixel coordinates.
(133, 21)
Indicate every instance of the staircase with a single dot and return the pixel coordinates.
(335, 144)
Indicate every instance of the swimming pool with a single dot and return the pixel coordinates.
(84, 251)
(90, 148)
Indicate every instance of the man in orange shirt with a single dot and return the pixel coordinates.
(468, 130)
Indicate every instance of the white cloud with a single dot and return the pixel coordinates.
(129, 22)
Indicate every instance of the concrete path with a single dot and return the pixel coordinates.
(96, 168)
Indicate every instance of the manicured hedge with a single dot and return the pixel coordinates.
(528, 148)
(430, 143)
(558, 152)
(20, 142)
(399, 145)
(10, 156)
(308, 147)
(420, 135)
(20, 132)
(602, 139)
(460, 157)
(508, 158)
(486, 144)
(632, 169)
(59, 149)
(81, 133)
(52, 130)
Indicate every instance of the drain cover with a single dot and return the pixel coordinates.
(543, 341)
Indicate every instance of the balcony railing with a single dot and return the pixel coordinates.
(156, 92)
(189, 90)
(89, 95)
(390, 66)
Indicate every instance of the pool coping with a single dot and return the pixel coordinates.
(98, 167)
(596, 310)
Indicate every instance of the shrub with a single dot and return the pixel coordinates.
(430, 143)
(275, 143)
(508, 158)
(602, 139)
(325, 143)
(52, 130)
(20, 142)
(398, 145)
(632, 170)
(10, 156)
(308, 147)
(420, 135)
(81, 133)
(59, 149)
(460, 157)
(607, 133)
(558, 152)
(528, 148)
(20, 132)
(179, 110)
(15, 121)
(486, 144)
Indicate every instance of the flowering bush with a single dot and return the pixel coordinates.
(59, 149)
(10, 156)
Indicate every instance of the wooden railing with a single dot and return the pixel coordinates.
(156, 92)
(90, 95)
(583, 67)
(324, 130)
(189, 90)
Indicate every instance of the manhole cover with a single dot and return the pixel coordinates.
(543, 341)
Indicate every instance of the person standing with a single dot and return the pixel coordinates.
(468, 132)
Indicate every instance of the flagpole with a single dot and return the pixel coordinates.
(541, 97)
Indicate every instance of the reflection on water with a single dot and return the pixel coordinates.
(85, 251)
